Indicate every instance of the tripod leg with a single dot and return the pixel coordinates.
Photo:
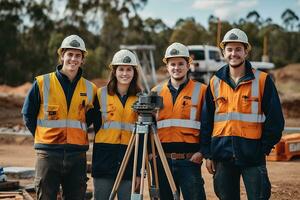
(154, 160)
(154, 189)
(123, 166)
(165, 165)
(148, 170)
(135, 162)
(143, 163)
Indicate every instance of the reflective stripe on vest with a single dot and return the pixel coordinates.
(103, 102)
(89, 90)
(240, 117)
(253, 117)
(254, 91)
(185, 123)
(216, 90)
(46, 88)
(195, 99)
(61, 124)
(118, 125)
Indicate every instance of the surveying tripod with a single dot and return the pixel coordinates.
(145, 126)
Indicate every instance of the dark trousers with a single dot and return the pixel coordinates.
(66, 169)
(227, 181)
(187, 177)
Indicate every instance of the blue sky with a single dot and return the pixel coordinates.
(231, 10)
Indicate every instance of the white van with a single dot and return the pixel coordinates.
(208, 59)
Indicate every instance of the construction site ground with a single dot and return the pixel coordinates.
(284, 176)
(17, 150)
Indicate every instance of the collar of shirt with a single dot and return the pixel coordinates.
(64, 78)
(223, 74)
(174, 91)
(123, 98)
(67, 85)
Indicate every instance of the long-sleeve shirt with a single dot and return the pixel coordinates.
(272, 126)
(32, 102)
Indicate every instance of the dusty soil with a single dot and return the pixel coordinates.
(284, 176)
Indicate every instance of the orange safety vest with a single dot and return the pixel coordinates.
(55, 123)
(117, 120)
(238, 111)
(180, 122)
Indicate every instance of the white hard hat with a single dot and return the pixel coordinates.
(72, 42)
(124, 57)
(235, 35)
(177, 50)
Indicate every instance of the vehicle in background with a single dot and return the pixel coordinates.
(209, 59)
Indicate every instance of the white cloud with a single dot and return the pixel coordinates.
(247, 4)
(177, 1)
(224, 13)
(225, 9)
(209, 4)
(298, 2)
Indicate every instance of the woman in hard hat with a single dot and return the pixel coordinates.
(117, 119)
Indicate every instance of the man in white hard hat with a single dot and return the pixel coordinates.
(57, 111)
(178, 126)
(241, 122)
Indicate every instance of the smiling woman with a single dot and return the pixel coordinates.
(117, 122)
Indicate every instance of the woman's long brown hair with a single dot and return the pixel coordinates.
(134, 86)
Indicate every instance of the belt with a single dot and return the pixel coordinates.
(179, 156)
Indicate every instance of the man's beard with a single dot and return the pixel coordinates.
(179, 78)
(238, 65)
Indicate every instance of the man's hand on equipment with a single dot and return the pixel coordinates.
(210, 166)
(197, 158)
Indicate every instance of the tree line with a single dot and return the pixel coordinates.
(31, 32)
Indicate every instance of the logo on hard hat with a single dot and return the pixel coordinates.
(74, 43)
(126, 59)
(233, 36)
(174, 52)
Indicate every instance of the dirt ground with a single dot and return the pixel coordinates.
(284, 176)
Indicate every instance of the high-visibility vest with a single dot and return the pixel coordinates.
(180, 122)
(118, 121)
(238, 111)
(55, 123)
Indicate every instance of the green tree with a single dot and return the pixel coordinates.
(254, 17)
(189, 32)
(289, 18)
(35, 39)
(95, 66)
(154, 25)
(10, 23)
(134, 33)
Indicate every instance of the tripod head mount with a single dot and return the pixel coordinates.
(146, 105)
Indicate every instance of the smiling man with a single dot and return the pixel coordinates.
(58, 110)
(178, 124)
(241, 122)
